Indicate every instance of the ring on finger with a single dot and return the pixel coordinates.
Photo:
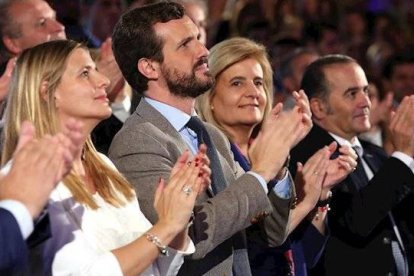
(187, 190)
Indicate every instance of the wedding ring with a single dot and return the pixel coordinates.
(187, 190)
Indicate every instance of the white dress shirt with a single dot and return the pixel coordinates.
(82, 238)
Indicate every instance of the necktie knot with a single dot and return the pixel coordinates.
(195, 124)
(359, 150)
(218, 182)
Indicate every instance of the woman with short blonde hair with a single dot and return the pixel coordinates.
(237, 104)
(224, 55)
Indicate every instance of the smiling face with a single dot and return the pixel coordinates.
(239, 97)
(184, 69)
(348, 106)
(81, 91)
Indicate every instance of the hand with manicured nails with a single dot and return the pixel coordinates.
(173, 204)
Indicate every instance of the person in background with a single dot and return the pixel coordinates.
(398, 75)
(97, 226)
(99, 17)
(197, 10)
(290, 72)
(380, 114)
(27, 23)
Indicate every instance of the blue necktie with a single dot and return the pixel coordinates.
(218, 181)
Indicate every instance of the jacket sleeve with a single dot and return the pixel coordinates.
(13, 253)
(152, 154)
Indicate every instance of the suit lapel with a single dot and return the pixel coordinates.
(372, 162)
(150, 114)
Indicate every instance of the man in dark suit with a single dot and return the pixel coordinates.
(37, 166)
(158, 51)
(364, 237)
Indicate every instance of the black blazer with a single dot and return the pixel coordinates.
(359, 223)
(105, 131)
(13, 250)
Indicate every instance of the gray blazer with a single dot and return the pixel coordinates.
(147, 147)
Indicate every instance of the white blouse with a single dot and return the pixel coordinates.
(82, 238)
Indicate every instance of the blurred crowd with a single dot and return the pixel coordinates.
(232, 128)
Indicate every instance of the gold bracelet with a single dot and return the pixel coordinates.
(157, 242)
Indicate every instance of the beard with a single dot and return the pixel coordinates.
(186, 85)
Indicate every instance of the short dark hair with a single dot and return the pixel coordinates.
(314, 80)
(395, 60)
(134, 38)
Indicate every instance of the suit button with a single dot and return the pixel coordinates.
(386, 240)
(390, 274)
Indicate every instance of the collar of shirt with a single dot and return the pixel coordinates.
(356, 144)
(125, 105)
(121, 110)
(178, 119)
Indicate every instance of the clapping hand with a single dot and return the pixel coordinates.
(341, 166)
(39, 164)
(174, 202)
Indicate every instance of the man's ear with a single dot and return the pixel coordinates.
(12, 45)
(148, 68)
(318, 108)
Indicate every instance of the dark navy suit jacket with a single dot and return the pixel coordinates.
(13, 249)
(361, 231)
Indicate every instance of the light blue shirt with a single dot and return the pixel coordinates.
(178, 119)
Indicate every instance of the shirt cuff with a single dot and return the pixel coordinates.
(261, 180)
(283, 187)
(406, 159)
(21, 214)
(188, 251)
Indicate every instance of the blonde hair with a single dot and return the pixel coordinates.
(36, 76)
(222, 56)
